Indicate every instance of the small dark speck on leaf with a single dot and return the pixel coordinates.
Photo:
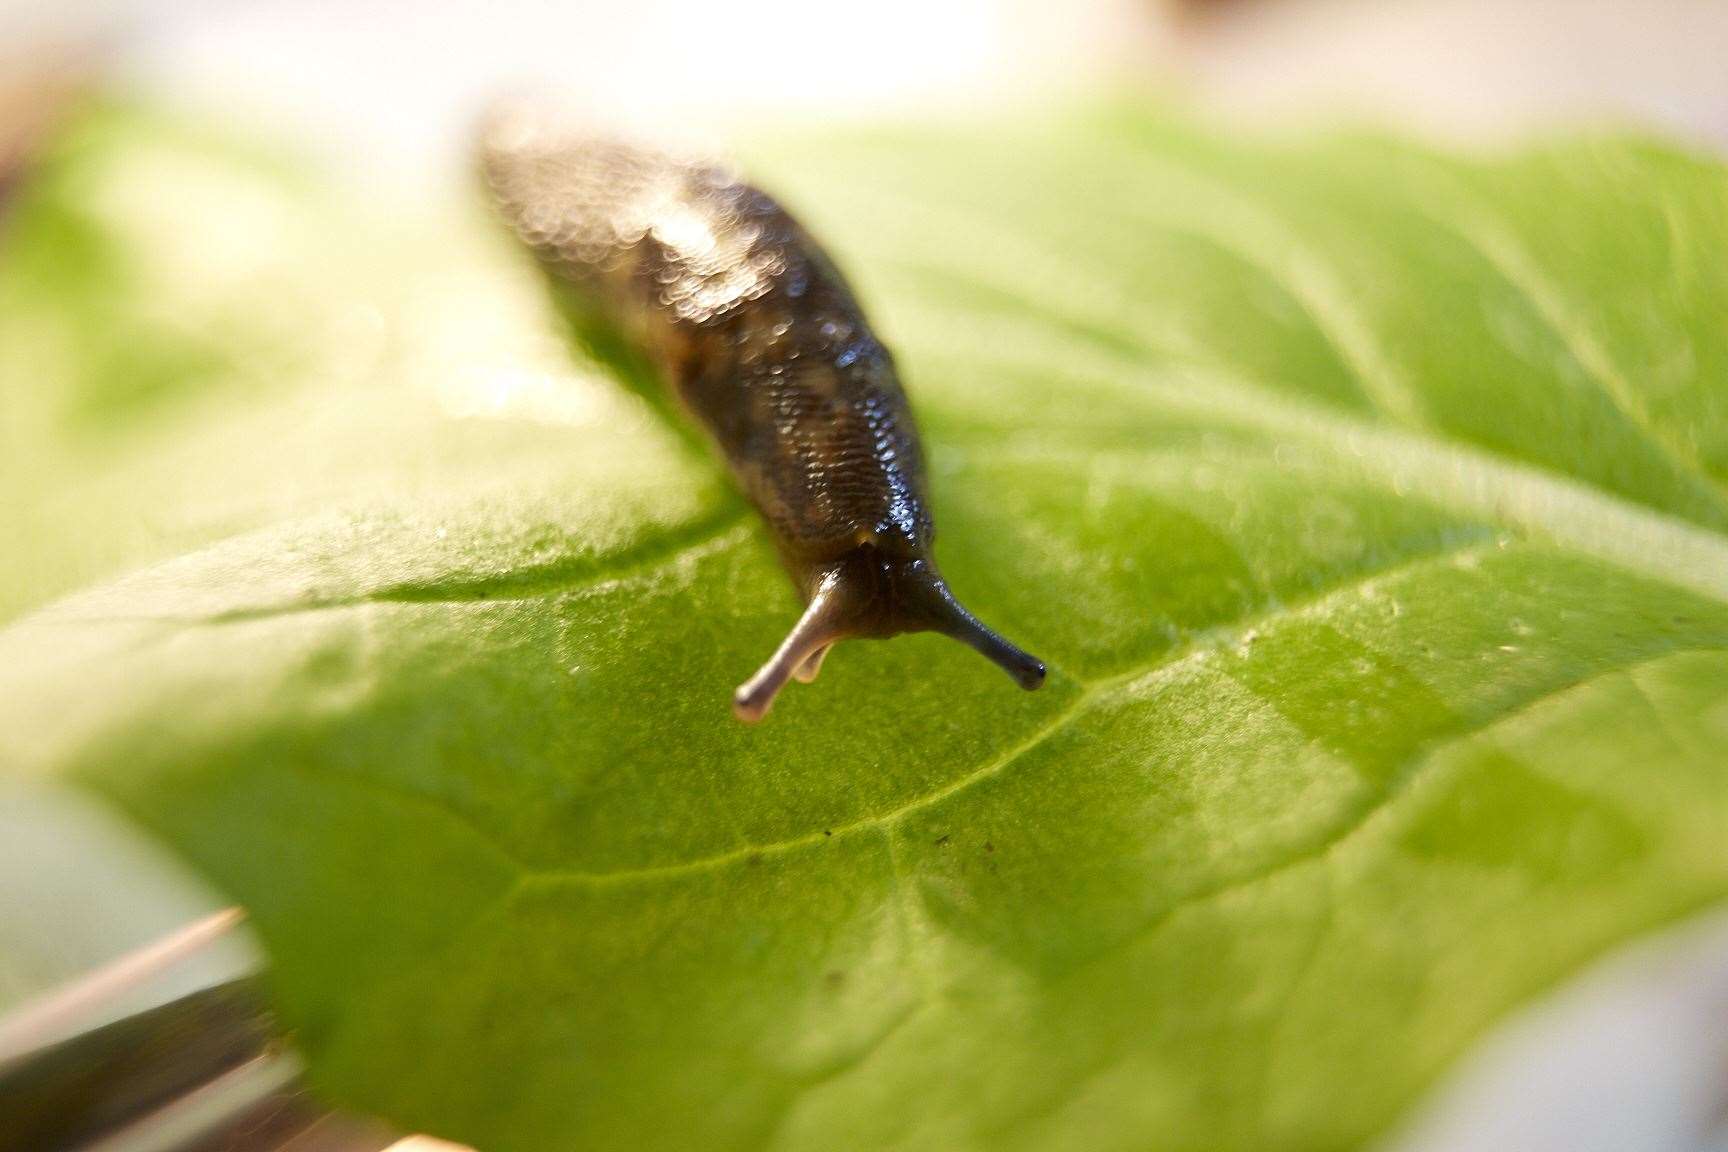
(835, 978)
(989, 847)
(941, 840)
(827, 831)
(753, 859)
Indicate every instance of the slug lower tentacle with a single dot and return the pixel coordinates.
(760, 337)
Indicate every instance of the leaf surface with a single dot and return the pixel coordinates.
(1368, 503)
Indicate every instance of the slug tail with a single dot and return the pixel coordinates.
(954, 621)
(799, 655)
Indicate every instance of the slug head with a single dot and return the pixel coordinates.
(874, 592)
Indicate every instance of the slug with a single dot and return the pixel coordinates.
(754, 329)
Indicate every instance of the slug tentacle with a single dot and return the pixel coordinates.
(808, 640)
(759, 336)
(806, 672)
(873, 591)
(959, 624)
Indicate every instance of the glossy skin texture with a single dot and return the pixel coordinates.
(761, 339)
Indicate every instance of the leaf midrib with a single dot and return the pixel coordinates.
(1093, 693)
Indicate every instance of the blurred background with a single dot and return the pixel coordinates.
(392, 85)
(1634, 1057)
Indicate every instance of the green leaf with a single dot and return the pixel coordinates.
(1370, 504)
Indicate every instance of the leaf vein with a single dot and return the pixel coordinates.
(1354, 822)
(1513, 263)
(1090, 695)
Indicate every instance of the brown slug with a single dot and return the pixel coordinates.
(748, 321)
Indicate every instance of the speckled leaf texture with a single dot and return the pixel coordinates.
(1369, 503)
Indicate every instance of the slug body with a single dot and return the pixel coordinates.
(758, 334)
